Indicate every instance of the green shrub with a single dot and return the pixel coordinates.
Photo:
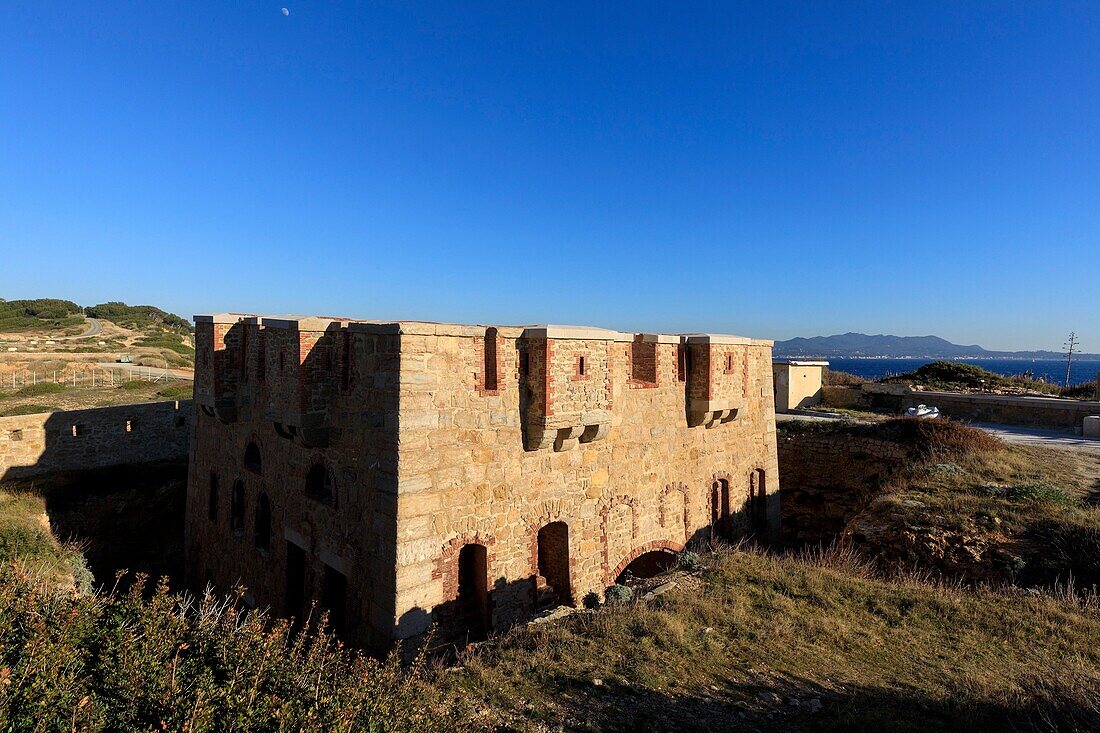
(1085, 391)
(1040, 493)
(178, 392)
(618, 594)
(138, 316)
(27, 410)
(137, 384)
(689, 561)
(34, 390)
(26, 315)
(120, 662)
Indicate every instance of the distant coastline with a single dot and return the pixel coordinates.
(1051, 370)
(864, 346)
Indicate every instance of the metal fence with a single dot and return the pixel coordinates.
(90, 377)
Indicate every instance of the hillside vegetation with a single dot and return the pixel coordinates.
(42, 313)
(138, 317)
(966, 506)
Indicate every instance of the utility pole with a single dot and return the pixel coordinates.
(1069, 347)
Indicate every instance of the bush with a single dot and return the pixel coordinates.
(178, 392)
(27, 410)
(840, 379)
(939, 438)
(122, 663)
(138, 317)
(1039, 493)
(689, 561)
(618, 594)
(137, 384)
(33, 390)
(26, 315)
(1084, 391)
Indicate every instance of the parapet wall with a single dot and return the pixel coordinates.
(1043, 412)
(828, 478)
(99, 437)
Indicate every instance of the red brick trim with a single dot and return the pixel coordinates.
(489, 371)
(548, 379)
(533, 534)
(720, 475)
(446, 565)
(683, 489)
(634, 350)
(658, 545)
(577, 376)
(605, 509)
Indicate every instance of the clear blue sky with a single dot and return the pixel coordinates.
(771, 170)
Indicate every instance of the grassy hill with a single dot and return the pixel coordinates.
(17, 316)
(138, 317)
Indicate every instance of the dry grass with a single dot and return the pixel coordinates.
(902, 655)
(83, 396)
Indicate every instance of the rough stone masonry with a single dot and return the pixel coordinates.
(400, 474)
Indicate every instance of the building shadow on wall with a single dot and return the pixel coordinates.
(113, 480)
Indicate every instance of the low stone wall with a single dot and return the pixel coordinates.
(829, 478)
(73, 440)
(1042, 412)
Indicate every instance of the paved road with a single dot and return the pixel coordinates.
(1039, 437)
(94, 329)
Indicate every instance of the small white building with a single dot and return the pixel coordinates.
(797, 383)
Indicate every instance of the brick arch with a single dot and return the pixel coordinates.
(714, 478)
(683, 489)
(605, 509)
(446, 565)
(533, 527)
(655, 545)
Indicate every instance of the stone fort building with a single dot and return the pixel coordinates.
(404, 473)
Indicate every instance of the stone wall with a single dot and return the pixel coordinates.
(644, 485)
(1041, 412)
(417, 463)
(98, 437)
(829, 478)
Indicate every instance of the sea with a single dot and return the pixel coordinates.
(1051, 370)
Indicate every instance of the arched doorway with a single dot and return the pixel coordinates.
(552, 585)
(721, 525)
(647, 565)
(472, 604)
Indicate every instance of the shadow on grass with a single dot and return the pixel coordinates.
(796, 704)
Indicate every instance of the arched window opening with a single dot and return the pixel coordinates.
(212, 499)
(319, 484)
(252, 460)
(236, 508)
(552, 585)
(473, 592)
(263, 522)
(758, 500)
(721, 523)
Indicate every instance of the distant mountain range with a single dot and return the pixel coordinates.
(930, 347)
